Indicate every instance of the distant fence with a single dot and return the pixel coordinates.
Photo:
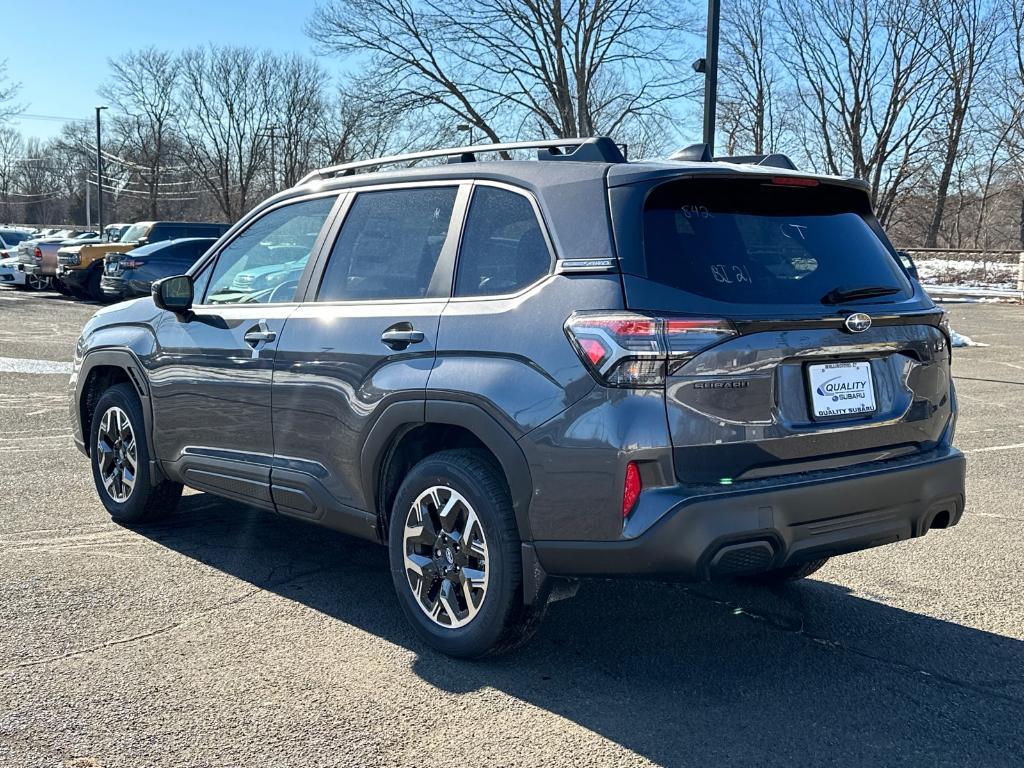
(971, 272)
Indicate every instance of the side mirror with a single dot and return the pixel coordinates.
(142, 241)
(908, 264)
(173, 293)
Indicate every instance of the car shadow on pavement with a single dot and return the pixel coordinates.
(681, 674)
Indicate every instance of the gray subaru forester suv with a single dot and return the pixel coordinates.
(517, 373)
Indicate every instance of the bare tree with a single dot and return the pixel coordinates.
(358, 124)
(9, 91)
(753, 87)
(40, 190)
(514, 67)
(299, 97)
(966, 32)
(143, 89)
(1012, 114)
(11, 149)
(864, 69)
(226, 92)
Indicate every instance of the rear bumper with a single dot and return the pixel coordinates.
(78, 278)
(718, 535)
(11, 276)
(113, 287)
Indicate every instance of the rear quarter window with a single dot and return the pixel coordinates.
(503, 248)
(754, 242)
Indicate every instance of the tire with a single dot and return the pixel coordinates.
(498, 621)
(143, 501)
(93, 289)
(789, 573)
(34, 282)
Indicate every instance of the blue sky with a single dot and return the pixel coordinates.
(58, 49)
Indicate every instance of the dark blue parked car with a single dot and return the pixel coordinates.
(127, 275)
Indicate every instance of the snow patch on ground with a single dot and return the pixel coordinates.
(959, 340)
(971, 273)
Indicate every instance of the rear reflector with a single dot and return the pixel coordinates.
(631, 489)
(594, 350)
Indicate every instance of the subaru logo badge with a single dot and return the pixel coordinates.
(858, 322)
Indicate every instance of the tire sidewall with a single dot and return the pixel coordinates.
(483, 632)
(93, 290)
(134, 507)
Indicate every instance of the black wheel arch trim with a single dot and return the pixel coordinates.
(128, 361)
(400, 417)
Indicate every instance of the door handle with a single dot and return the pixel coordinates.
(400, 338)
(259, 332)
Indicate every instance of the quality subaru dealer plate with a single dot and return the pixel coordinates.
(841, 389)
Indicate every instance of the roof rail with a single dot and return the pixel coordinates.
(701, 153)
(591, 149)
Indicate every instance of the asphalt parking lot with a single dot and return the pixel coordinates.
(228, 636)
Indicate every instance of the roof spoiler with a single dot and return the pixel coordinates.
(701, 153)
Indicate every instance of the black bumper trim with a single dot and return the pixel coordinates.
(799, 522)
(79, 278)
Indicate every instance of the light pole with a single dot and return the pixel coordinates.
(468, 128)
(709, 66)
(99, 174)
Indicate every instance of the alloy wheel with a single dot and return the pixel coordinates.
(117, 454)
(445, 552)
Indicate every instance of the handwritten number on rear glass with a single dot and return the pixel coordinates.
(731, 274)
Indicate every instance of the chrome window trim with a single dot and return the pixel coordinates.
(353, 193)
(548, 240)
(243, 224)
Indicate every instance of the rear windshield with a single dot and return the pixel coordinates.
(13, 238)
(755, 242)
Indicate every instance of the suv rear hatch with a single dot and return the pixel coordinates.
(787, 271)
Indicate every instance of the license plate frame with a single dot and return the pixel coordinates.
(852, 395)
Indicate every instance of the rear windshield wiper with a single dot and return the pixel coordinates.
(839, 295)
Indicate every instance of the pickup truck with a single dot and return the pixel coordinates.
(37, 258)
(80, 267)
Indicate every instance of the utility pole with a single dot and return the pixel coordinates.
(709, 66)
(88, 205)
(99, 175)
(272, 134)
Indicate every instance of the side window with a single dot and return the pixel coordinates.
(389, 245)
(162, 232)
(264, 263)
(503, 248)
(197, 248)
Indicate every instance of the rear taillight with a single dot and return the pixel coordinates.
(631, 488)
(129, 263)
(38, 253)
(627, 349)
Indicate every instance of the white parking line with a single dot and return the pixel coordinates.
(988, 448)
(22, 365)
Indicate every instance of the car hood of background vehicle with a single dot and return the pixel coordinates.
(103, 248)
